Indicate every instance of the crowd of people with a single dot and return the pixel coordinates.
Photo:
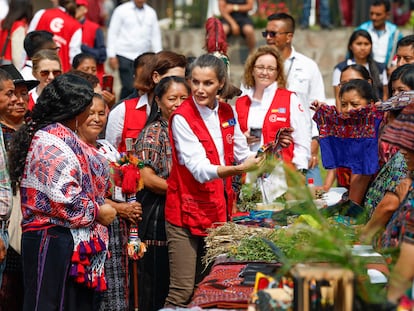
(64, 130)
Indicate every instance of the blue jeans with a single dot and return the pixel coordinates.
(315, 173)
(324, 13)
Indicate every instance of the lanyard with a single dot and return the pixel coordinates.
(290, 67)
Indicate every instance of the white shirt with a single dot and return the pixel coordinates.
(305, 79)
(33, 94)
(27, 71)
(191, 153)
(75, 42)
(300, 121)
(4, 8)
(380, 41)
(108, 151)
(115, 125)
(133, 31)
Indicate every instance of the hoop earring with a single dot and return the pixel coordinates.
(76, 126)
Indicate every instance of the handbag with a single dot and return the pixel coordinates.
(15, 227)
(3, 50)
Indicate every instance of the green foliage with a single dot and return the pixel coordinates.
(312, 238)
(249, 196)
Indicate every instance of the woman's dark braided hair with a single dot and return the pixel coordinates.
(63, 99)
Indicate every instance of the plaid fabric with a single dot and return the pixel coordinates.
(5, 187)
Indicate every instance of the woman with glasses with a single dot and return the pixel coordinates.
(46, 67)
(267, 107)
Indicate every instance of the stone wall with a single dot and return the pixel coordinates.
(327, 48)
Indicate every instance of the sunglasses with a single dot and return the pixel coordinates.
(273, 34)
(46, 73)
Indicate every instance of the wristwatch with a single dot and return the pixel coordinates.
(235, 8)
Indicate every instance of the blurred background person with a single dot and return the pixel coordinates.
(33, 43)
(236, 20)
(68, 35)
(123, 44)
(324, 14)
(13, 30)
(87, 63)
(385, 35)
(359, 51)
(93, 41)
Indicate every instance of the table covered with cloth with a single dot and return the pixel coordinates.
(225, 287)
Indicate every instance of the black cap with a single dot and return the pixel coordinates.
(18, 78)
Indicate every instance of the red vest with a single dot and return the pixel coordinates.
(63, 26)
(277, 116)
(89, 29)
(3, 36)
(31, 103)
(134, 121)
(190, 204)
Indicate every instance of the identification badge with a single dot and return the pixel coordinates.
(117, 195)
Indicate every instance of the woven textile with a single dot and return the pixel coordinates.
(388, 178)
(64, 182)
(116, 297)
(222, 289)
(349, 141)
(401, 131)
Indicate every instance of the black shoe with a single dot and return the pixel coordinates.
(304, 26)
(327, 27)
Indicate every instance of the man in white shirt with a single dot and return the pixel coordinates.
(384, 34)
(133, 30)
(303, 77)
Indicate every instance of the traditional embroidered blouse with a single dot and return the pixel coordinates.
(350, 142)
(64, 182)
(154, 148)
(57, 186)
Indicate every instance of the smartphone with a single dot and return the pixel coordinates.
(108, 83)
(256, 132)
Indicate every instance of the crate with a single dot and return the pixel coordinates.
(323, 287)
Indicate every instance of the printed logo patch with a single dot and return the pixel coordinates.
(273, 118)
(229, 138)
(231, 122)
